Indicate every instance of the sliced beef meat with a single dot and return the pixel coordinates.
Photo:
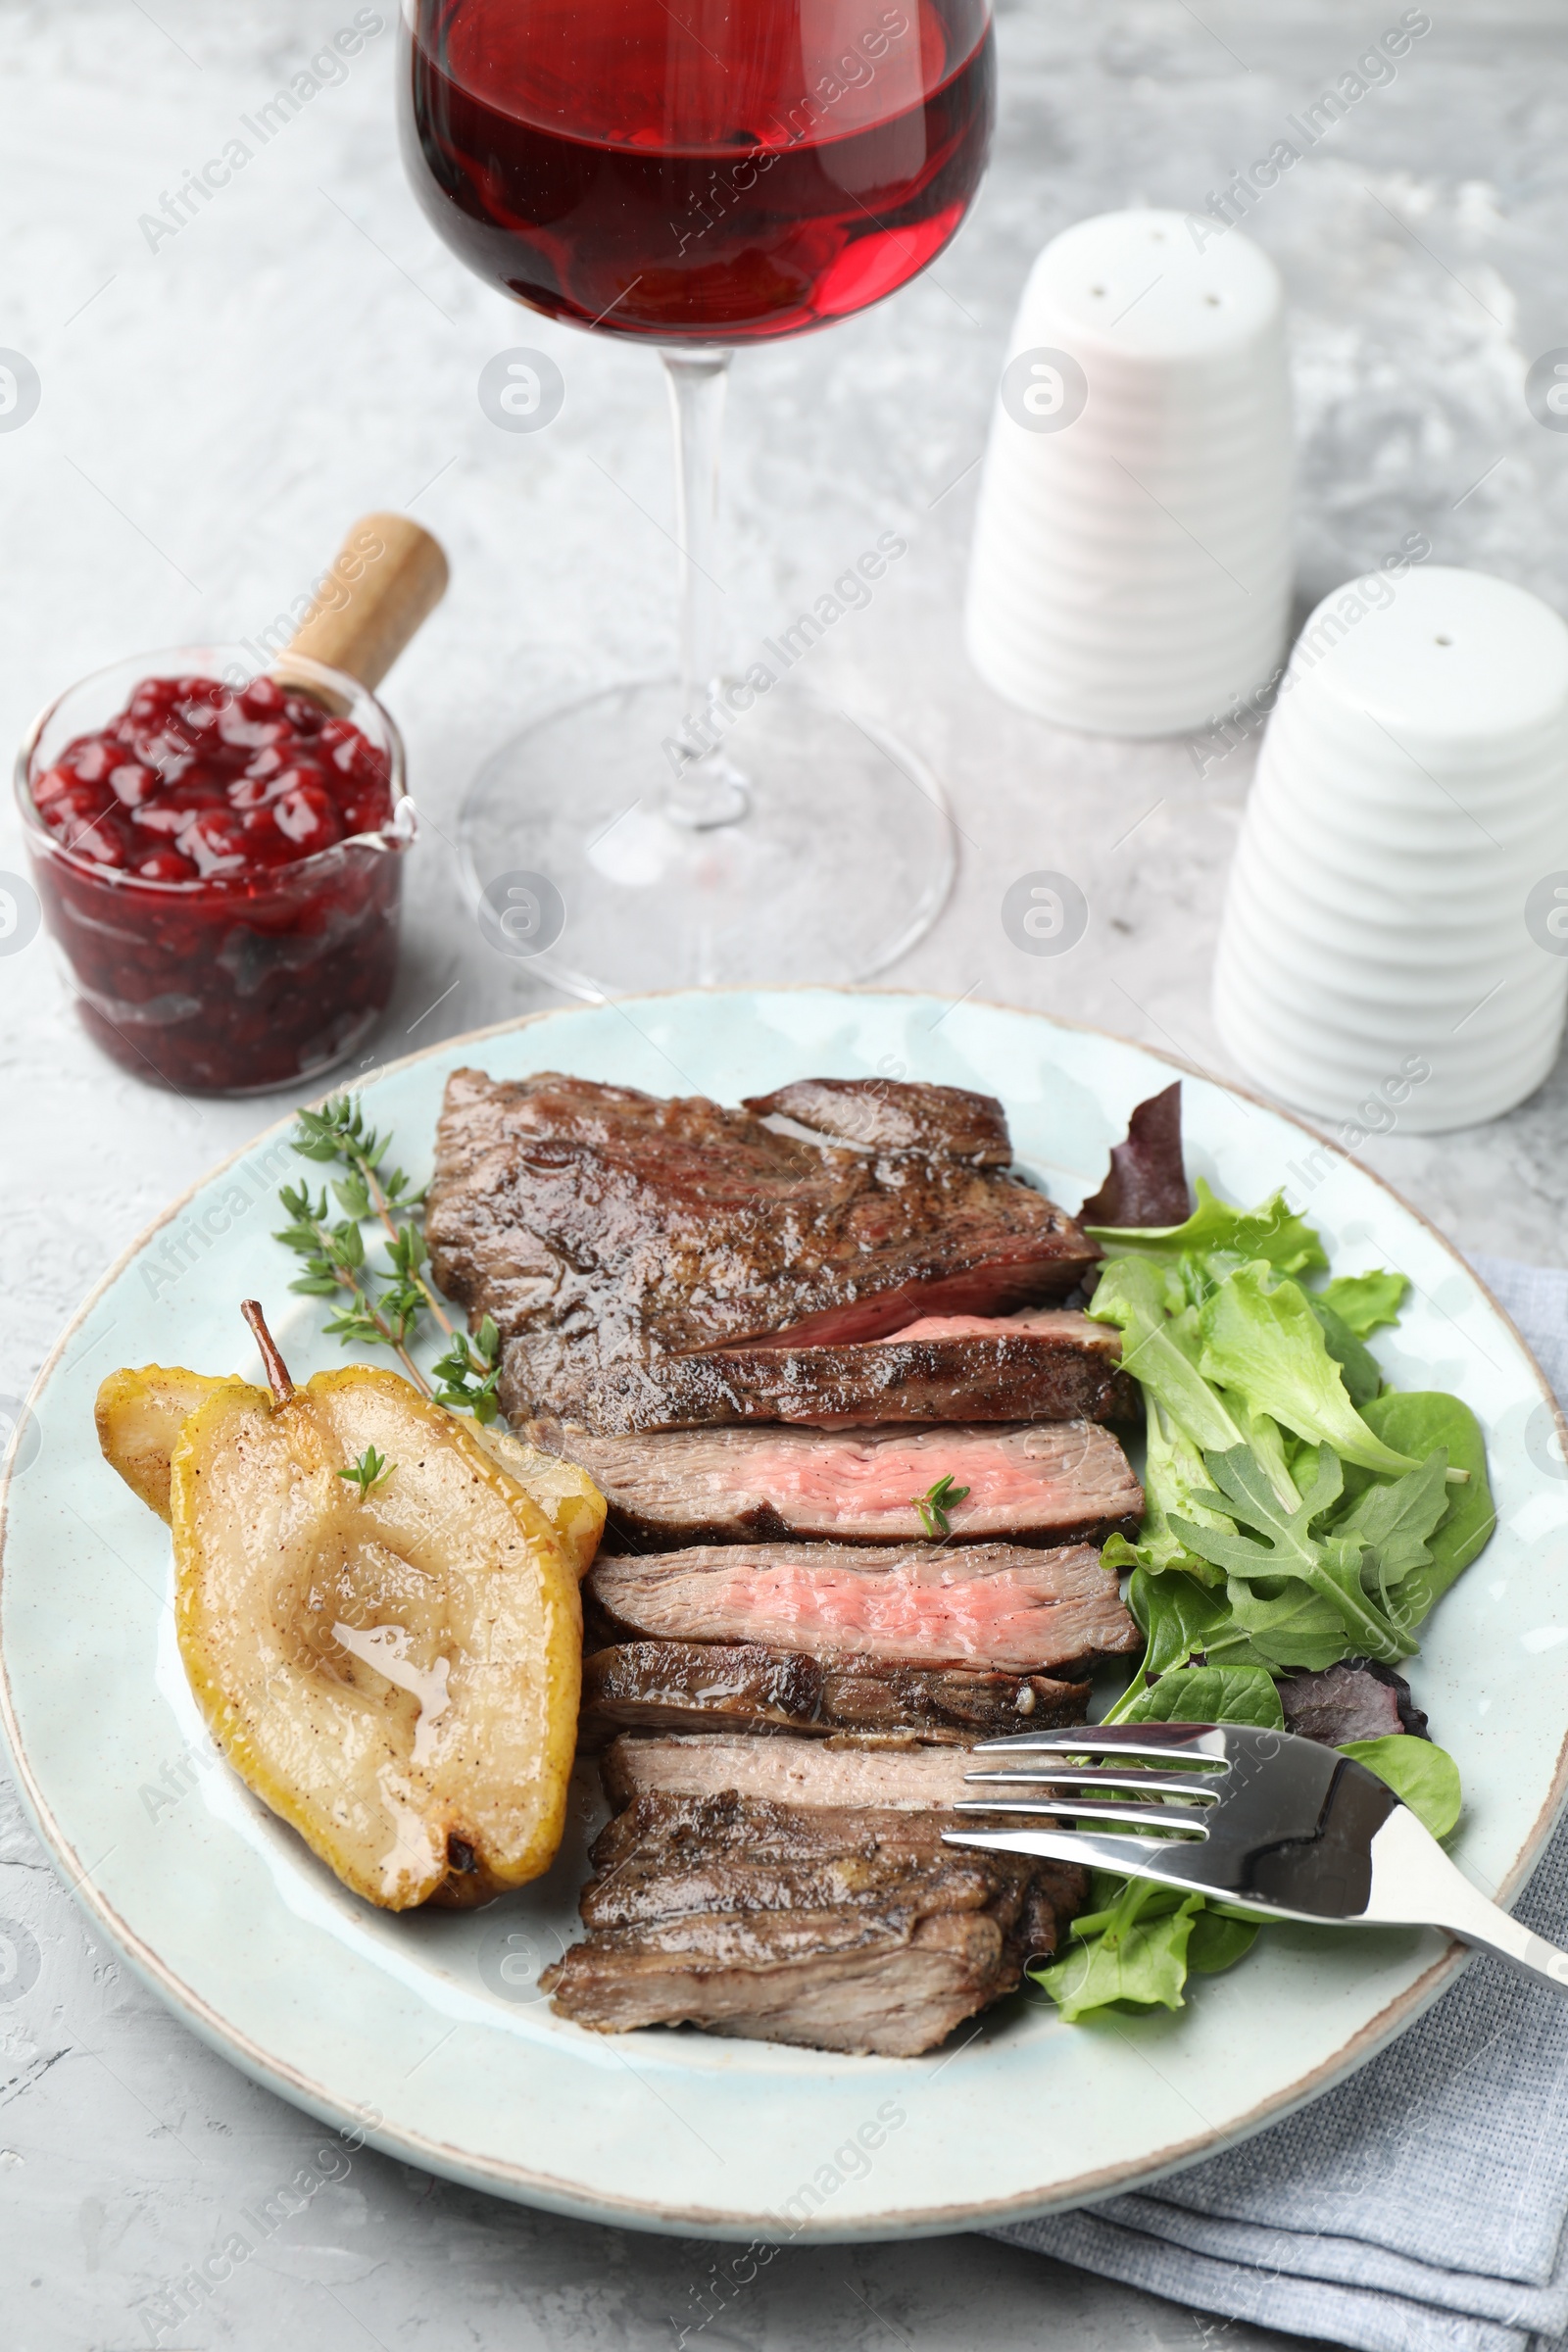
(842, 1772)
(712, 1686)
(601, 1226)
(879, 1114)
(1064, 1483)
(1360, 1698)
(844, 1930)
(1147, 1179)
(996, 1606)
(1042, 1364)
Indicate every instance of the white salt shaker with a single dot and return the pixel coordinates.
(1395, 944)
(1131, 572)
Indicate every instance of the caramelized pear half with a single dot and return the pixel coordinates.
(393, 1671)
(140, 1414)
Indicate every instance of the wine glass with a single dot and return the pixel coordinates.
(700, 175)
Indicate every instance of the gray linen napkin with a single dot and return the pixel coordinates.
(1421, 2206)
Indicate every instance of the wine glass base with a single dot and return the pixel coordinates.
(843, 860)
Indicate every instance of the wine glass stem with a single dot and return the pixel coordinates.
(704, 788)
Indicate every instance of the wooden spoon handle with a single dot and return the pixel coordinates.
(387, 577)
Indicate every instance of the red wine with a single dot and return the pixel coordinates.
(712, 171)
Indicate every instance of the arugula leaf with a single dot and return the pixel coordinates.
(1328, 1566)
(1423, 1777)
(1131, 1957)
(1418, 1421)
(1394, 1519)
(1364, 1302)
(1210, 1695)
(1216, 1231)
(1267, 1344)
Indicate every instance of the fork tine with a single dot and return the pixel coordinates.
(1056, 1776)
(1142, 1817)
(1157, 1740)
(1174, 1861)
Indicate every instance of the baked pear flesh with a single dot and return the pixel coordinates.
(140, 1414)
(391, 1660)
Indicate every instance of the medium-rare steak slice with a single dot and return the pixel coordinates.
(602, 1226)
(709, 1687)
(1068, 1482)
(1041, 1364)
(839, 1929)
(998, 1606)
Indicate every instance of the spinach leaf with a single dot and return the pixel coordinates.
(1423, 1777)
(1217, 1942)
(1210, 1695)
(1328, 1566)
(1216, 1231)
(1358, 1366)
(1364, 1302)
(1266, 1343)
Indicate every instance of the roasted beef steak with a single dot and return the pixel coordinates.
(1066, 1482)
(843, 1929)
(996, 1606)
(715, 1686)
(1041, 1364)
(604, 1228)
(845, 1771)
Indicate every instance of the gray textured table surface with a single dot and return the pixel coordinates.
(214, 412)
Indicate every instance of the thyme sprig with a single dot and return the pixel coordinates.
(369, 1471)
(334, 1252)
(936, 1502)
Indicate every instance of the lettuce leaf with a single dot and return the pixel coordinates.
(1216, 1232)
(1266, 1343)
(1364, 1301)
(1136, 1951)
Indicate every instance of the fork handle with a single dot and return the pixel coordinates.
(1414, 1884)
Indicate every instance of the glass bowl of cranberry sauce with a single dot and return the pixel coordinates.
(220, 856)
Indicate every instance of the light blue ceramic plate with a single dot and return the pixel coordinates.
(431, 2029)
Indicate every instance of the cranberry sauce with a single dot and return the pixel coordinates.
(204, 863)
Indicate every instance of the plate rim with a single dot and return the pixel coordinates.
(503, 2176)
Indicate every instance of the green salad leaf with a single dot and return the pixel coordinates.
(1358, 1366)
(1328, 1566)
(1297, 1512)
(1422, 1776)
(1210, 1695)
(1135, 1950)
(1364, 1301)
(1216, 1232)
(1266, 1343)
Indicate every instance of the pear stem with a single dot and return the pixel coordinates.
(277, 1372)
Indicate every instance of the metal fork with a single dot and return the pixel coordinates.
(1289, 1828)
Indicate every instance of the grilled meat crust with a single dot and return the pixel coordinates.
(693, 1687)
